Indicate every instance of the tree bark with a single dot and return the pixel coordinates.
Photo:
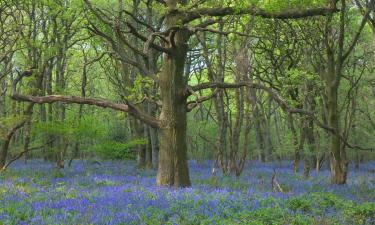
(338, 154)
(173, 166)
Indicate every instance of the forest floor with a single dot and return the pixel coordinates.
(117, 193)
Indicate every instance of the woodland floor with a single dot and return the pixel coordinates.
(117, 193)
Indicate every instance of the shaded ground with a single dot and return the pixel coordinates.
(117, 193)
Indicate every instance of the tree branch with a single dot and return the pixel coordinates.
(273, 94)
(89, 101)
(22, 153)
(103, 103)
(200, 99)
(276, 97)
(286, 14)
(357, 35)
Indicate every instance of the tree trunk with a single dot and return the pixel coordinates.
(338, 155)
(138, 133)
(3, 89)
(153, 135)
(267, 131)
(6, 143)
(259, 137)
(297, 155)
(148, 152)
(61, 155)
(173, 166)
(235, 142)
(154, 147)
(80, 111)
(221, 141)
(4, 152)
(308, 157)
(219, 104)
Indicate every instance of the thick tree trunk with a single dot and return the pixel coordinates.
(338, 159)
(173, 166)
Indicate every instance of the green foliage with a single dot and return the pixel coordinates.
(7, 123)
(269, 5)
(360, 214)
(56, 173)
(86, 128)
(117, 150)
(140, 85)
(301, 204)
(106, 140)
(200, 148)
(278, 5)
